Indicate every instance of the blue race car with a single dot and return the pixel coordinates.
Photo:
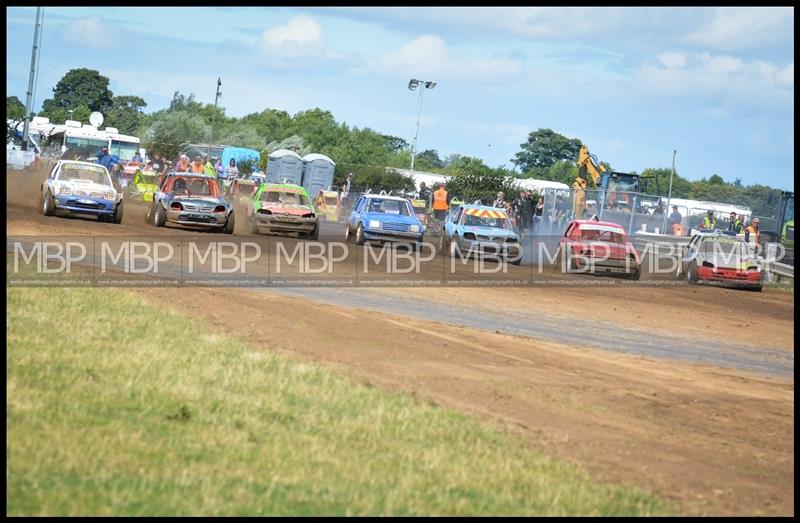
(383, 218)
(81, 188)
(481, 230)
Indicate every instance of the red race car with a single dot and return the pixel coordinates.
(721, 258)
(592, 246)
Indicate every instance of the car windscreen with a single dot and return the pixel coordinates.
(195, 186)
(500, 222)
(725, 247)
(598, 235)
(91, 173)
(284, 198)
(397, 207)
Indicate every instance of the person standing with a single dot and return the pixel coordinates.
(208, 169)
(735, 226)
(753, 229)
(440, 204)
(526, 212)
(424, 194)
(709, 222)
(500, 201)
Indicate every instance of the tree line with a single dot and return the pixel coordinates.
(546, 154)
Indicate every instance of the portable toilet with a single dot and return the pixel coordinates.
(285, 165)
(317, 173)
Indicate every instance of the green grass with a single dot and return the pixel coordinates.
(117, 407)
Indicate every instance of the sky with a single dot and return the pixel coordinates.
(634, 84)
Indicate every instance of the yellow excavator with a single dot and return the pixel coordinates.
(615, 188)
(587, 166)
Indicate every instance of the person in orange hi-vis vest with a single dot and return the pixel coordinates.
(440, 203)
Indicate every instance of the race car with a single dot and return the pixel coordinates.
(240, 192)
(715, 256)
(81, 188)
(328, 205)
(593, 246)
(283, 208)
(143, 185)
(480, 230)
(384, 218)
(191, 200)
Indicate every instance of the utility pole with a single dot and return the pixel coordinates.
(214, 117)
(29, 99)
(416, 132)
(669, 194)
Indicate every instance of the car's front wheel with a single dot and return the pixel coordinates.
(230, 224)
(48, 204)
(158, 216)
(118, 213)
(691, 274)
(360, 235)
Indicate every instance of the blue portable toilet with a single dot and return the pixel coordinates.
(317, 173)
(286, 165)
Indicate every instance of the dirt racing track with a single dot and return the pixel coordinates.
(685, 391)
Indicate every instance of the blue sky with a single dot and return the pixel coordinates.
(717, 84)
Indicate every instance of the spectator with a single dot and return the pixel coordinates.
(232, 172)
(183, 165)
(197, 165)
(137, 158)
(709, 222)
(424, 194)
(500, 201)
(526, 212)
(735, 225)
(675, 218)
(208, 168)
(218, 167)
(537, 213)
(753, 230)
(107, 160)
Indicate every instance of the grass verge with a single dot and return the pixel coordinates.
(118, 407)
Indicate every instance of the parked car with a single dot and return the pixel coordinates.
(722, 258)
(594, 246)
(81, 188)
(283, 208)
(383, 218)
(480, 230)
(191, 200)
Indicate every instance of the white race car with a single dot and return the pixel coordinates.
(81, 188)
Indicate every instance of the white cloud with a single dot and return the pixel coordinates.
(429, 56)
(721, 64)
(295, 44)
(785, 77)
(91, 32)
(672, 60)
(745, 28)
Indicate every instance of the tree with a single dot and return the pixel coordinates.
(544, 148)
(475, 180)
(79, 87)
(15, 110)
(293, 143)
(429, 159)
(126, 113)
(395, 144)
(170, 132)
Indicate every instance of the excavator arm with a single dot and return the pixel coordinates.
(587, 167)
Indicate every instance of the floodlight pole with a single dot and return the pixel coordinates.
(29, 98)
(214, 117)
(669, 194)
